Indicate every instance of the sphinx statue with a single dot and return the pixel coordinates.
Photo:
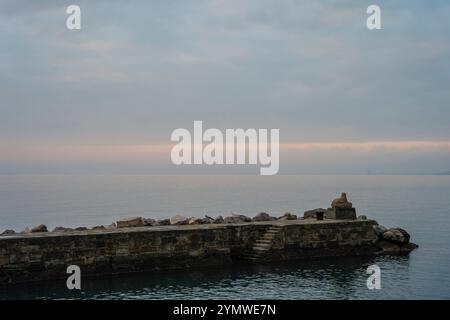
(341, 202)
(341, 209)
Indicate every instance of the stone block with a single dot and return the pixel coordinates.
(130, 222)
(341, 213)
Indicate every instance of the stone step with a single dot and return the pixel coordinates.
(263, 244)
(256, 249)
(270, 234)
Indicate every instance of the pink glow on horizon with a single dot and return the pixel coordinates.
(160, 153)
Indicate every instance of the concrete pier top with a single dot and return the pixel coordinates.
(282, 223)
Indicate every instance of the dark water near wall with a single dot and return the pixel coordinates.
(420, 204)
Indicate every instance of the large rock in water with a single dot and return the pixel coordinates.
(394, 241)
(237, 218)
(312, 214)
(39, 228)
(179, 220)
(393, 248)
(130, 222)
(341, 202)
(396, 235)
(263, 217)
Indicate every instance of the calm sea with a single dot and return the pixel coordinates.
(420, 204)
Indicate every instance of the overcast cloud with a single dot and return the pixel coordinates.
(138, 70)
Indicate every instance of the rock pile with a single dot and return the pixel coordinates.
(177, 220)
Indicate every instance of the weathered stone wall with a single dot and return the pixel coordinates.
(36, 257)
(338, 238)
(30, 258)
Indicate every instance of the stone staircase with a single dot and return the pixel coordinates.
(262, 245)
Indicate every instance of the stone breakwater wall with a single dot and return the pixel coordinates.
(45, 256)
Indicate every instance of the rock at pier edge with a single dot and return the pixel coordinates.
(145, 245)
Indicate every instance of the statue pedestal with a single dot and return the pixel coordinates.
(341, 213)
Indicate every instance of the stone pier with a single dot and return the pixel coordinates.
(46, 256)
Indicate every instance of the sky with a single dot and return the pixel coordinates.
(106, 98)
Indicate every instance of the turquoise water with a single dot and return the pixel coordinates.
(420, 204)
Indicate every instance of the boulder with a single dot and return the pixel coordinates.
(81, 229)
(194, 220)
(341, 202)
(99, 228)
(263, 217)
(237, 218)
(362, 217)
(8, 232)
(163, 222)
(179, 220)
(62, 229)
(149, 222)
(408, 247)
(208, 220)
(312, 214)
(388, 247)
(112, 226)
(219, 220)
(39, 228)
(379, 230)
(288, 216)
(130, 222)
(396, 235)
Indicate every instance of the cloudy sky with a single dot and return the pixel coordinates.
(107, 98)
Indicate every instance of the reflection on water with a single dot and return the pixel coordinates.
(337, 278)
